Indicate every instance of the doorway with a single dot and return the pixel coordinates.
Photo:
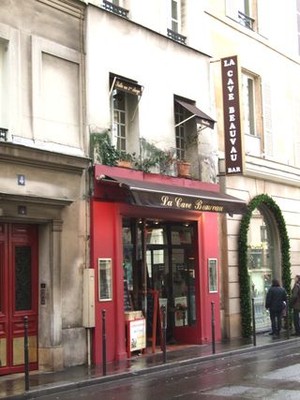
(18, 295)
(160, 256)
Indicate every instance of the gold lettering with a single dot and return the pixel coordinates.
(165, 201)
(181, 204)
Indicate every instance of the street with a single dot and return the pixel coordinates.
(255, 375)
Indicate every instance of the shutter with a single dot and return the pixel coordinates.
(267, 118)
(264, 19)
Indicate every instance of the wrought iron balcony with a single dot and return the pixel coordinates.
(176, 36)
(115, 9)
(3, 134)
(245, 20)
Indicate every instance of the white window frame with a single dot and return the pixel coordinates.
(175, 19)
(119, 140)
(180, 131)
(249, 105)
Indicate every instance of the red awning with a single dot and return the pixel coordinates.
(158, 195)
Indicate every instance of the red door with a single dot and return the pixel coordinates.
(18, 295)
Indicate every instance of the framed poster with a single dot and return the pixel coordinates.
(105, 279)
(212, 275)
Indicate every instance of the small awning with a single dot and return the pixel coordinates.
(200, 116)
(149, 194)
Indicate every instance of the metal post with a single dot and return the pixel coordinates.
(164, 333)
(213, 327)
(103, 342)
(253, 323)
(26, 354)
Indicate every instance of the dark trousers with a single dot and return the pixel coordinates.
(296, 321)
(275, 317)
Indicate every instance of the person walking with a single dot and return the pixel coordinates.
(295, 303)
(275, 302)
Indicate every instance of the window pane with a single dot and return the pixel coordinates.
(23, 278)
(248, 105)
(174, 9)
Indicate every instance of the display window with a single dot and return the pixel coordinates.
(160, 256)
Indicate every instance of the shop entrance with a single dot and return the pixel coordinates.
(160, 257)
(18, 295)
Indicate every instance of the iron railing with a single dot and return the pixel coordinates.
(3, 134)
(245, 20)
(176, 36)
(115, 9)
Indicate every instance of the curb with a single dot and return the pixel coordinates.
(63, 387)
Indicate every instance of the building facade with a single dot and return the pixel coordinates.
(43, 164)
(86, 242)
(155, 234)
(267, 78)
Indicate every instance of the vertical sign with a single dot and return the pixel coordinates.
(232, 122)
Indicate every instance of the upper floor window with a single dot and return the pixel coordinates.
(248, 93)
(180, 130)
(175, 15)
(252, 113)
(125, 95)
(189, 120)
(242, 11)
(174, 31)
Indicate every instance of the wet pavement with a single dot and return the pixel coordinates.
(42, 383)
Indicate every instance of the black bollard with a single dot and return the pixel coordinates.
(164, 333)
(26, 354)
(213, 337)
(287, 317)
(253, 323)
(104, 342)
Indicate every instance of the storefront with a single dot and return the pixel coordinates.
(154, 243)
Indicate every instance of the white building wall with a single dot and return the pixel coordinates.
(163, 67)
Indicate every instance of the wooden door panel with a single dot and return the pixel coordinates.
(18, 295)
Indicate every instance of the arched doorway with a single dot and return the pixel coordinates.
(278, 248)
(263, 261)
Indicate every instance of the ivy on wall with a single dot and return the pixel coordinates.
(245, 290)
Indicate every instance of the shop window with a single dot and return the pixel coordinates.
(168, 269)
(261, 265)
(251, 113)
(125, 96)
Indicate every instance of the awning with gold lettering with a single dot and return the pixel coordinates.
(158, 195)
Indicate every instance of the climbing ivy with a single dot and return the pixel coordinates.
(245, 290)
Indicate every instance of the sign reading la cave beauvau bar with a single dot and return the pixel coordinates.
(232, 122)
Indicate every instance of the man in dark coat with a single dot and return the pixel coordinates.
(295, 302)
(275, 303)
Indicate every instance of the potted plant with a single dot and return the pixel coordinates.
(183, 169)
(153, 157)
(125, 160)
